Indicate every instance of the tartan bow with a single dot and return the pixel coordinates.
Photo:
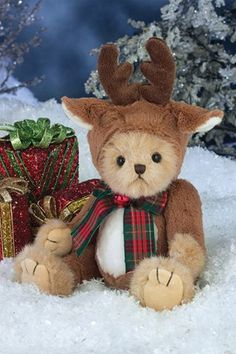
(139, 235)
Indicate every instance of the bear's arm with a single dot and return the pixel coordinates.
(184, 229)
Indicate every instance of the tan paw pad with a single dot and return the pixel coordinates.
(163, 290)
(35, 273)
(59, 241)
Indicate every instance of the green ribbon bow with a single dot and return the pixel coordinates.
(37, 133)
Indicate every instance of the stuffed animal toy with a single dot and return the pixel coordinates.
(141, 229)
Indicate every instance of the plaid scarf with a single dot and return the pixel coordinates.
(139, 237)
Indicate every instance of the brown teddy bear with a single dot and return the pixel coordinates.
(141, 229)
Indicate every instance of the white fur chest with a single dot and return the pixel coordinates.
(110, 251)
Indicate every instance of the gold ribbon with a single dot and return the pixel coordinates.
(72, 208)
(8, 185)
(12, 184)
(48, 210)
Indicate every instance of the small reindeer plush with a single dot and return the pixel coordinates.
(141, 229)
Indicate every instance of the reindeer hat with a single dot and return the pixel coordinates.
(136, 106)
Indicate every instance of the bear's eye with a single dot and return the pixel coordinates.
(156, 157)
(120, 160)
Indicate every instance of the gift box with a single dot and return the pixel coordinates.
(63, 204)
(46, 156)
(15, 230)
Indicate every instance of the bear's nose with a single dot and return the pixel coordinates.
(139, 169)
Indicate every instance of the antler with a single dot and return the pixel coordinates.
(160, 71)
(114, 77)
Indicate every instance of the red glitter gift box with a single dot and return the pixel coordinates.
(15, 230)
(71, 200)
(63, 204)
(46, 156)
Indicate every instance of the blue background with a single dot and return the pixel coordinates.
(74, 27)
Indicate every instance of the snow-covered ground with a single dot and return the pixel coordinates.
(99, 320)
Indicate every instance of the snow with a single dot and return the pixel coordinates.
(99, 320)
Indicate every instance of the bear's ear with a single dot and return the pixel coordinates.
(84, 111)
(194, 119)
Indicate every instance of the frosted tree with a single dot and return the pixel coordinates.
(16, 17)
(200, 34)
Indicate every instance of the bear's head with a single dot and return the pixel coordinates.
(139, 138)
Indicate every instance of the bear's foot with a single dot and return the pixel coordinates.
(162, 283)
(48, 272)
(163, 290)
(35, 273)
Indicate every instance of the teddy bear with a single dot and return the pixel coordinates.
(141, 228)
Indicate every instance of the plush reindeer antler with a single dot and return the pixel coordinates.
(114, 77)
(160, 71)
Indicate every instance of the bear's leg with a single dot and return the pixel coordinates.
(52, 274)
(51, 265)
(162, 283)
